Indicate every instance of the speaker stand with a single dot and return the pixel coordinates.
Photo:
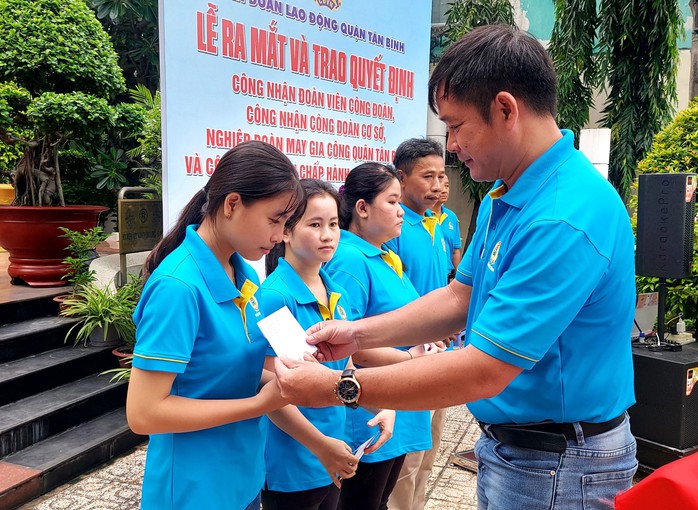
(661, 311)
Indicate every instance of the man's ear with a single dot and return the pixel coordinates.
(505, 108)
(402, 175)
(361, 208)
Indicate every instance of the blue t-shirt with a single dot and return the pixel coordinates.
(551, 266)
(375, 288)
(425, 258)
(450, 227)
(291, 466)
(188, 323)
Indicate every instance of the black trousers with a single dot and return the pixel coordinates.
(322, 498)
(370, 488)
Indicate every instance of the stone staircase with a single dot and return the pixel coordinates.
(58, 417)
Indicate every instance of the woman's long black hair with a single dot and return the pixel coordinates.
(256, 170)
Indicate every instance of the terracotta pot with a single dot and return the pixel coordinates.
(60, 301)
(122, 353)
(31, 236)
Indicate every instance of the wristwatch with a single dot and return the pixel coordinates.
(348, 389)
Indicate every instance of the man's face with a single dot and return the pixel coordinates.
(445, 190)
(474, 141)
(422, 187)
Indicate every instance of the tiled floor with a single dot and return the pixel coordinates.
(116, 486)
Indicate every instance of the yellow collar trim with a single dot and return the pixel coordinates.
(246, 296)
(328, 313)
(393, 260)
(429, 223)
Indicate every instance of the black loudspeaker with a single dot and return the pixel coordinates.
(665, 211)
(665, 418)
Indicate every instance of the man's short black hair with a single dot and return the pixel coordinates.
(409, 151)
(491, 59)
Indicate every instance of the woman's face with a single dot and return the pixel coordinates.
(314, 238)
(254, 229)
(383, 220)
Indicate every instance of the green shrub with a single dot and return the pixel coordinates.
(674, 149)
(58, 73)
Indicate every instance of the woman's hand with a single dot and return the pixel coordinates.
(337, 459)
(385, 420)
(270, 397)
(426, 349)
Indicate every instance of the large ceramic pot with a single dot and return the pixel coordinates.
(31, 236)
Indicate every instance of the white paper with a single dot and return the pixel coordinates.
(360, 450)
(286, 336)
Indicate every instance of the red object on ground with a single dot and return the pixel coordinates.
(674, 486)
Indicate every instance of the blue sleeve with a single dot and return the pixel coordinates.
(167, 324)
(464, 273)
(548, 275)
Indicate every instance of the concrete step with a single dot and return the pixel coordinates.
(40, 468)
(34, 303)
(40, 372)
(33, 336)
(35, 418)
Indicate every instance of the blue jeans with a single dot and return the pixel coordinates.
(586, 476)
(256, 503)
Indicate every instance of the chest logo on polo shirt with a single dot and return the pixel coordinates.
(254, 304)
(450, 225)
(341, 312)
(494, 255)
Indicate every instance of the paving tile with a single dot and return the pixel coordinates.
(117, 485)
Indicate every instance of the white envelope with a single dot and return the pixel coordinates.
(286, 336)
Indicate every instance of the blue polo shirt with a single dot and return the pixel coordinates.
(375, 288)
(291, 466)
(551, 264)
(426, 260)
(188, 323)
(450, 227)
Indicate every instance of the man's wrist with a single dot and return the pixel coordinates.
(358, 333)
(335, 375)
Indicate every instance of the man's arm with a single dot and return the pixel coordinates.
(432, 317)
(469, 373)
(455, 258)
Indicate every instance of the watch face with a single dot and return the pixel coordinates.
(347, 390)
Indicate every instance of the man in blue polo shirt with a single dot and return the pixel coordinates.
(427, 262)
(548, 286)
(449, 223)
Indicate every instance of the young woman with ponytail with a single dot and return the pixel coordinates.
(199, 355)
(307, 456)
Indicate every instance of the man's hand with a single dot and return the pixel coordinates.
(334, 339)
(306, 383)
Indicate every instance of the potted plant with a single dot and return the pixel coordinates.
(54, 88)
(104, 315)
(82, 250)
